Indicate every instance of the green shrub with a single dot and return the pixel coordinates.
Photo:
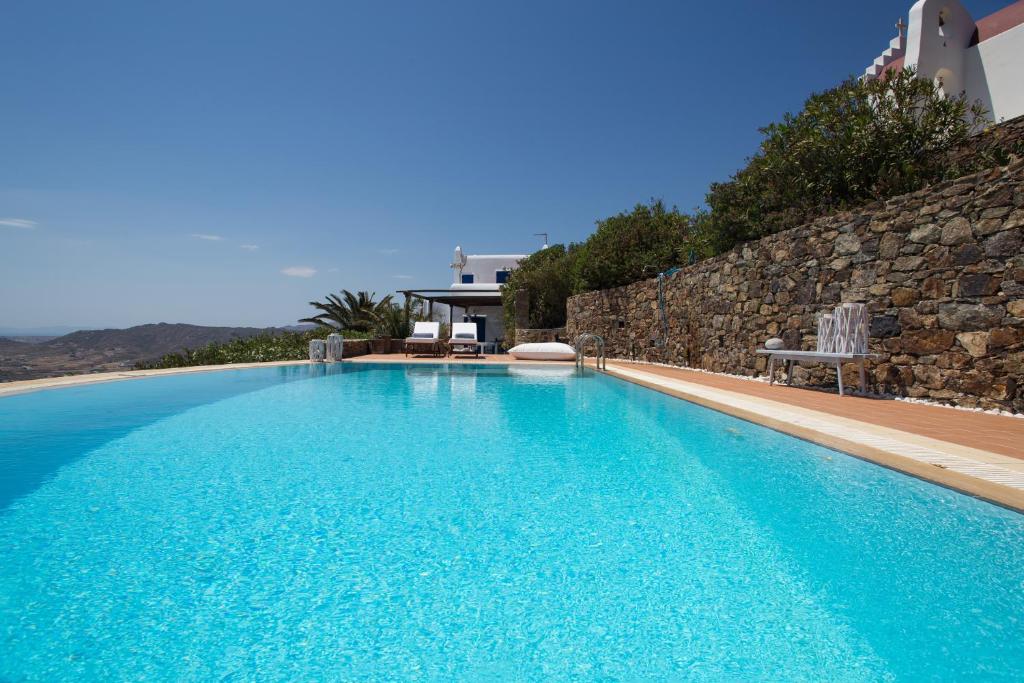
(625, 248)
(261, 349)
(857, 142)
(547, 277)
(392, 321)
(631, 246)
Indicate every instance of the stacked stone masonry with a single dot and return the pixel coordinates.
(534, 335)
(355, 347)
(1008, 135)
(941, 271)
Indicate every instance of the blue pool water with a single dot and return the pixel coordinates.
(475, 523)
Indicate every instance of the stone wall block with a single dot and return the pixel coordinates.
(929, 233)
(956, 231)
(1004, 244)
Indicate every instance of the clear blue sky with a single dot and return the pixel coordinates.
(167, 161)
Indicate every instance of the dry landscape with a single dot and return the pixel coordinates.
(106, 350)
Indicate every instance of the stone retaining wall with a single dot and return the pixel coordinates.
(1008, 135)
(355, 347)
(528, 336)
(941, 270)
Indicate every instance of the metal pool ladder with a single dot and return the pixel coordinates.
(581, 343)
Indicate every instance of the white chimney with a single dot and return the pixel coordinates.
(458, 264)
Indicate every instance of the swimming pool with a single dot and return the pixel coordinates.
(475, 522)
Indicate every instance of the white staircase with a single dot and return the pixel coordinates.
(897, 50)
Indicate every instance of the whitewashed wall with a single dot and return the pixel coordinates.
(994, 71)
(484, 268)
(991, 71)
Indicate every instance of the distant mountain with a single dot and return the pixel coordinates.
(31, 338)
(107, 350)
(151, 341)
(51, 331)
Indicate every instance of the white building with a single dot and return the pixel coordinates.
(982, 58)
(475, 292)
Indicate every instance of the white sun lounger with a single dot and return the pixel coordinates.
(424, 334)
(842, 337)
(463, 336)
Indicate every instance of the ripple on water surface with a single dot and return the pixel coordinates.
(398, 523)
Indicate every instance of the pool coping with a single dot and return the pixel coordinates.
(990, 476)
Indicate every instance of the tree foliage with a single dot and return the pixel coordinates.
(857, 142)
(348, 311)
(261, 349)
(546, 277)
(631, 246)
(624, 248)
(396, 321)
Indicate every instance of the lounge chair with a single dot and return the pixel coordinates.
(463, 337)
(842, 337)
(424, 334)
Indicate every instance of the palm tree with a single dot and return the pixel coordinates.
(348, 311)
(392, 321)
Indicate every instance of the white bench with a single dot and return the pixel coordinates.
(842, 337)
(815, 356)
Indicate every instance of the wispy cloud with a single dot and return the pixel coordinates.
(250, 247)
(20, 223)
(299, 271)
(402, 277)
(388, 252)
(210, 238)
(333, 270)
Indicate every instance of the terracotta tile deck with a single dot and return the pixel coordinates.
(995, 433)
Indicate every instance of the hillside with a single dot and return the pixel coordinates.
(108, 350)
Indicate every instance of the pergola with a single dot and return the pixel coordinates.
(460, 298)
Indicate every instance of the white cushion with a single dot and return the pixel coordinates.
(543, 351)
(431, 329)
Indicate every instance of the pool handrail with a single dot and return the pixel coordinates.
(580, 345)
